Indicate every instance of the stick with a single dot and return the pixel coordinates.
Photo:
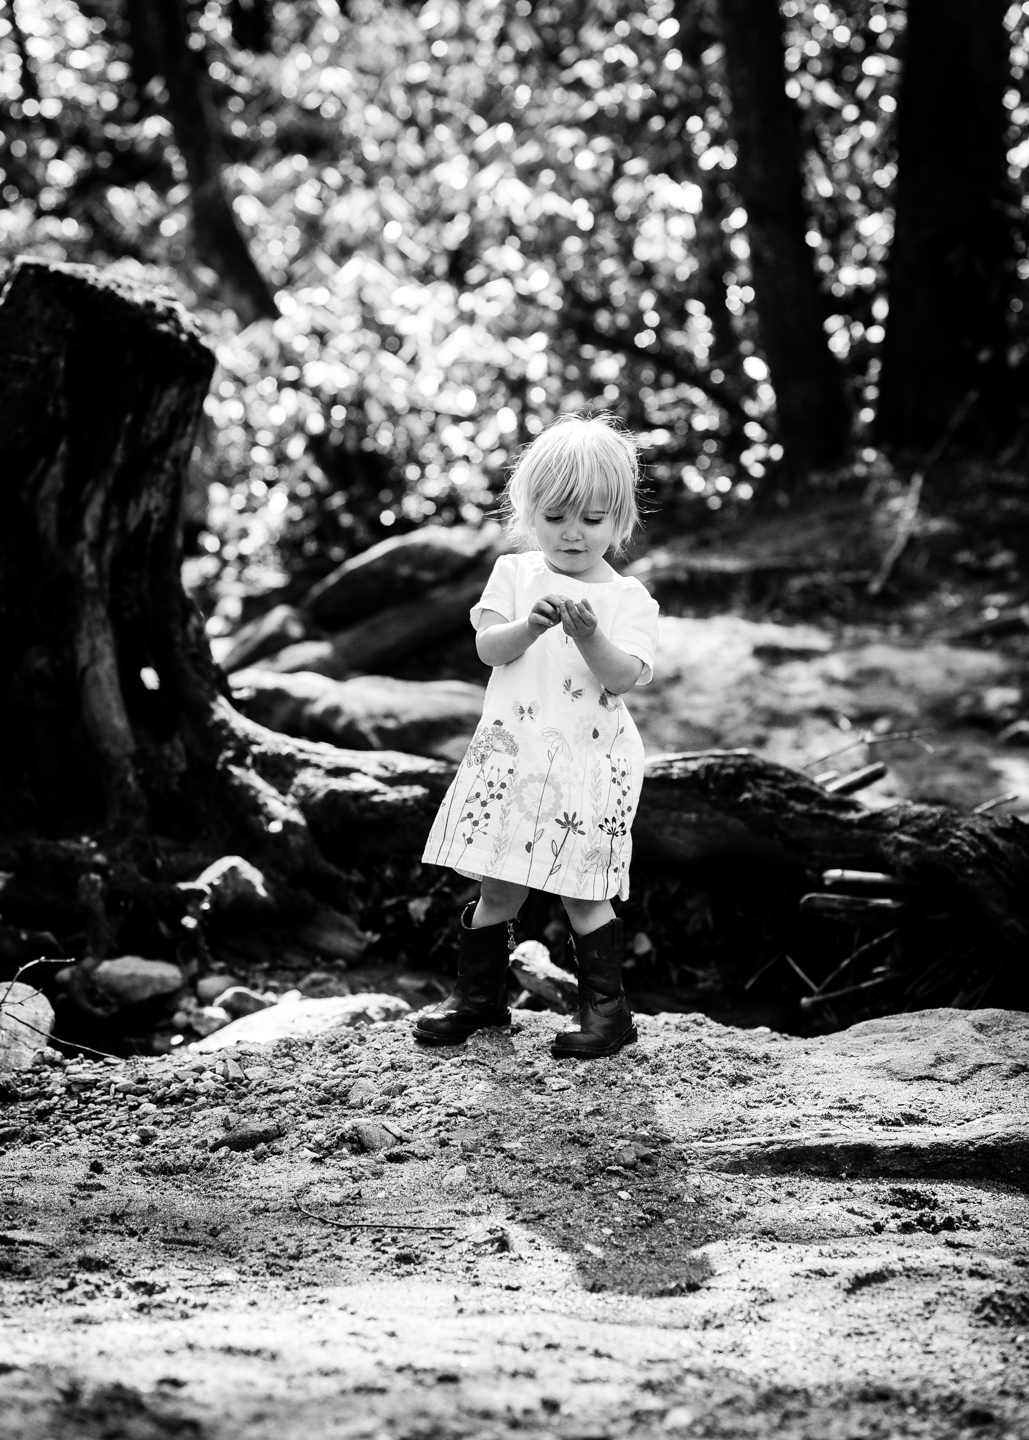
(794, 966)
(363, 1224)
(806, 1001)
(856, 779)
(854, 954)
(1000, 800)
(866, 739)
(910, 511)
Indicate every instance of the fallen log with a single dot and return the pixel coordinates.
(726, 804)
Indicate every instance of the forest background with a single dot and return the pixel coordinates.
(776, 240)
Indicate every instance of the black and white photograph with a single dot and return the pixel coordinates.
(514, 720)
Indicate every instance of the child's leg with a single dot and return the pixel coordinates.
(587, 915)
(499, 901)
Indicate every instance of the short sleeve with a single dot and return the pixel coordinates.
(499, 594)
(635, 628)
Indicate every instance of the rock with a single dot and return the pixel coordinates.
(281, 626)
(373, 1135)
(306, 1017)
(247, 1137)
(238, 1001)
(320, 984)
(397, 569)
(234, 886)
(362, 1092)
(455, 1177)
(212, 986)
(209, 1018)
(967, 1152)
(131, 980)
(948, 1045)
(26, 1018)
(368, 712)
(536, 972)
(334, 935)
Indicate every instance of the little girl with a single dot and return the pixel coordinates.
(546, 794)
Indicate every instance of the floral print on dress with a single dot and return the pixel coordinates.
(545, 795)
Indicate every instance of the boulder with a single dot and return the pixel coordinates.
(284, 625)
(131, 980)
(305, 1018)
(397, 569)
(369, 712)
(26, 1017)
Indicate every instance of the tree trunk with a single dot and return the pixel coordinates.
(951, 265)
(126, 769)
(159, 33)
(812, 409)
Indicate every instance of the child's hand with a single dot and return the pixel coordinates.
(579, 619)
(544, 615)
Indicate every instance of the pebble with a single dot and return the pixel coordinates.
(455, 1177)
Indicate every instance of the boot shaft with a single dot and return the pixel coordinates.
(599, 957)
(482, 960)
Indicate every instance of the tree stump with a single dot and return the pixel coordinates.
(126, 768)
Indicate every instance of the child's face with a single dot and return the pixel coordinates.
(574, 544)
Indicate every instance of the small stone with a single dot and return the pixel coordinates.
(455, 1177)
(208, 1019)
(361, 1093)
(212, 986)
(239, 1000)
(680, 1417)
(321, 984)
(372, 1135)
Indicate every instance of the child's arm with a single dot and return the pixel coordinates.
(616, 670)
(499, 641)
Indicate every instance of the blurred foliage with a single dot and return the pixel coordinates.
(474, 216)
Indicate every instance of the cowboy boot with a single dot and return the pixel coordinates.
(603, 1021)
(479, 999)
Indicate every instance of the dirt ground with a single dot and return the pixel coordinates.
(717, 1232)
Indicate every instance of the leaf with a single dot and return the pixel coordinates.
(553, 848)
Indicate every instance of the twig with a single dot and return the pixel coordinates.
(363, 1224)
(867, 739)
(854, 955)
(759, 972)
(907, 519)
(794, 966)
(806, 1001)
(999, 800)
(56, 1040)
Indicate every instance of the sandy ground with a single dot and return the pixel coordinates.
(716, 1232)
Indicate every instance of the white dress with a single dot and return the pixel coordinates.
(547, 791)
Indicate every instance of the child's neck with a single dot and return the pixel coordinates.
(599, 573)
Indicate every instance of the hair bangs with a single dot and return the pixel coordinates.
(577, 464)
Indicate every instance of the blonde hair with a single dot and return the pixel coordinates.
(576, 464)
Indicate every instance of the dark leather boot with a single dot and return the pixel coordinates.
(479, 999)
(603, 1021)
